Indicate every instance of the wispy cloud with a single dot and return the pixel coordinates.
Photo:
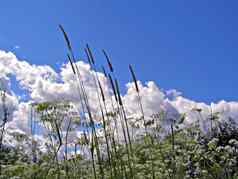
(17, 47)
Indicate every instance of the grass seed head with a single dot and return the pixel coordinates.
(134, 78)
(108, 60)
(88, 57)
(113, 86)
(100, 87)
(66, 37)
(71, 63)
(90, 54)
(118, 93)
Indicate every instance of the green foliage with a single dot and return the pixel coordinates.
(201, 157)
(186, 153)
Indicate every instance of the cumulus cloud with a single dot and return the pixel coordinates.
(27, 75)
(21, 118)
(152, 98)
(43, 83)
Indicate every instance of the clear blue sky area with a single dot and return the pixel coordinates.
(188, 45)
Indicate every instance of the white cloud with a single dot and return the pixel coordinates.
(16, 47)
(43, 83)
(26, 74)
(151, 96)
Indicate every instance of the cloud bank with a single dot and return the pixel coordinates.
(43, 83)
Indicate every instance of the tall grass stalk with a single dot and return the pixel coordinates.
(80, 90)
(116, 124)
(122, 118)
(85, 99)
(143, 118)
(113, 88)
(99, 90)
(114, 111)
(123, 114)
(92, 124)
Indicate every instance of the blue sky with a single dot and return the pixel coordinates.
(187, 45)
